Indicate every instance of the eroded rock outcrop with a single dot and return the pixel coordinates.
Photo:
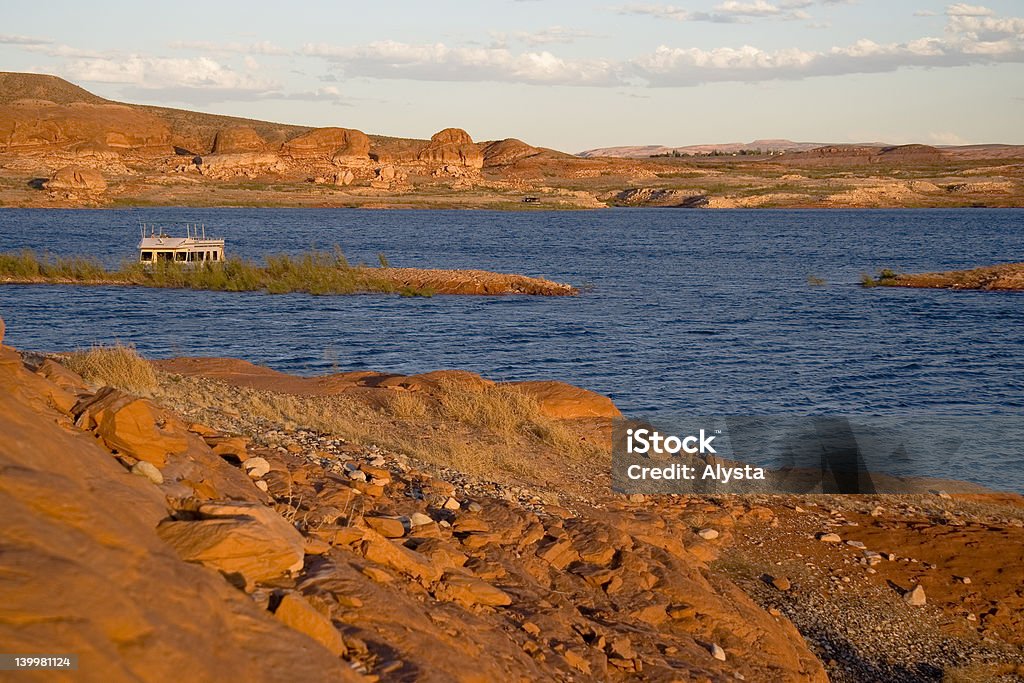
(247, 164)
(238, 140)
(452, 146)
(84, 571)
(337, 145)
(41, 127)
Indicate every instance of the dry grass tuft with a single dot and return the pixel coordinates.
(510, 415)
(496, 431)
(408, 407)
(118, 366)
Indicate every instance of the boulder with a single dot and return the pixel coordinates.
(337, 145)
(915, 597)
(77, 179)
(561, 401)
(132, 426)
(380, 550)
(243, 540)
(469, 591)
(388, 527)
(452, 146)
(245, 164)
(237, 140)
(296, 612)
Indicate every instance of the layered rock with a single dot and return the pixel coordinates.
(41, 127)
(238, 140)
(337, 145)
(246, 164)
(452, 146)
(84, 571)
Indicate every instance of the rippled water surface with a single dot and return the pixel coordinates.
(703, 311)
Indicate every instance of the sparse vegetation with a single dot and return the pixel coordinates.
(495, 431)
(317, 272)
(118, 366)
(1004, 277)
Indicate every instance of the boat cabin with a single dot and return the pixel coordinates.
(195, 247)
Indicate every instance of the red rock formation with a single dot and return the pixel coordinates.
(328, 144)
(35, 126)
(452, 146)
(237, 140)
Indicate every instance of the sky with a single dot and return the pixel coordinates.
(566, 74)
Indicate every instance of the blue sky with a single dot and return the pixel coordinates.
(559, 73)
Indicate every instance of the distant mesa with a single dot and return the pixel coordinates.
(766, 146)
(869, 154)
(452, 146)
(76, 179)
(330, 144)
(914, 153)
(238, 140)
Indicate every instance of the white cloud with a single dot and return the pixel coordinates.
(8, 39)
(439, 62)
(970, 38)
(154, 73)
(259, 48)
(963, 10)
(727, 12)
(552, 35)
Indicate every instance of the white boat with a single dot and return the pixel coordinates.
(195, 247)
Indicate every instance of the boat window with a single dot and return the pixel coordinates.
(179, 256)
(147, 256)
(163, 256)
(215, 256)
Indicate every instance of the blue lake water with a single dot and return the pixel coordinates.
(703, 312)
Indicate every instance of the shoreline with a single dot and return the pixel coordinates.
(489, 504)
(316, 273)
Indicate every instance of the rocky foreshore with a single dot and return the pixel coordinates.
(234, 522)
(1007, 277)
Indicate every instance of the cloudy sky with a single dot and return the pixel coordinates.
(567, 74)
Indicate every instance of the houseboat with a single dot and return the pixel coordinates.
(195, 247)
